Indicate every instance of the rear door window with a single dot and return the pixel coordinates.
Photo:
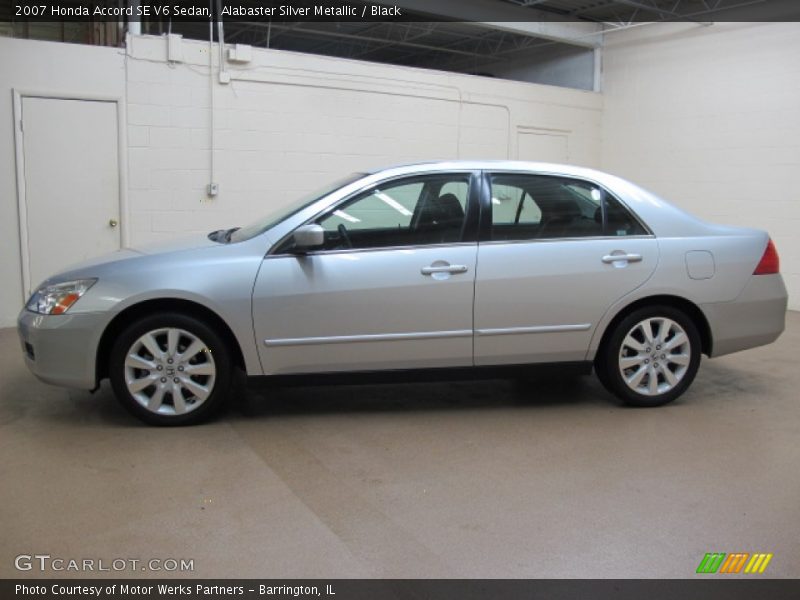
(529, 207)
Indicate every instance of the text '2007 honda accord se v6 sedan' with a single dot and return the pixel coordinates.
(444, 268)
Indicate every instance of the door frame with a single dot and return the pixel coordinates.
(534, 130)
(19, 94)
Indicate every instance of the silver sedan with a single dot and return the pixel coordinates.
(443, 269)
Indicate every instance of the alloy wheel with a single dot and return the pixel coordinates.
(654, 356)
(170, 371)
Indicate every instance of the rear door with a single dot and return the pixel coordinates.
(554, 254)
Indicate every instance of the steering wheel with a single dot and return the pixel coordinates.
(345, 236)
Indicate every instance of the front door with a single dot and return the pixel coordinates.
(391, 288)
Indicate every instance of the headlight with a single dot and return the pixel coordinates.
(57, 299)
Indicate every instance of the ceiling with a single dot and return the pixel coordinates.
(461, 46)
(629, 11)
(442, 45)
(432, 38)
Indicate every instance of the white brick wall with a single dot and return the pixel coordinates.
(286, 123)
(45, 68)
(706, 116)
(709, 117)
(290, 122)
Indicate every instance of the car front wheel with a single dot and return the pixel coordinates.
(170, 369)
(651, 356)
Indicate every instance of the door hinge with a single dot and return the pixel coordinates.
(21, 125)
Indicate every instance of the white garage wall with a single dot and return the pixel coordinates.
(709, 117)
(285, 124)
(46, 68)
(290, 122)
(720, 101)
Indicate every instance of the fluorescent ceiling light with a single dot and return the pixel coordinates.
(394, 204)
(343, 215)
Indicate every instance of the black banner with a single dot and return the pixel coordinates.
(393, 589)
(296, 11)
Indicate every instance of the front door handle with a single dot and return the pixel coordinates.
(443, 269)
(612, 258)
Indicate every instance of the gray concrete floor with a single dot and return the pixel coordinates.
(488, 479)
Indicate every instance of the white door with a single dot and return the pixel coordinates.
(542, 147)
(71, 183)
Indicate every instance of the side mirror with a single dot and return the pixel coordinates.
(308, 237)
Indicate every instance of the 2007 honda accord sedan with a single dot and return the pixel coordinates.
(447, 268)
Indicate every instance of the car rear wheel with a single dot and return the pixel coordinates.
(170, 369)
(651, 356)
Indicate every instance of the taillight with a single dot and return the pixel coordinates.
(769, 263)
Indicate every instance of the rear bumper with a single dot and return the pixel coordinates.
(755, 318)
(61, 349)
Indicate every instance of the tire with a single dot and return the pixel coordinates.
(171, 369)
(650, 357)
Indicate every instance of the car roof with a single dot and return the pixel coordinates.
(500, 165)
(504, 165)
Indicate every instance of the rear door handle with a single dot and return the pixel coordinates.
(444, 269)
(612, 258)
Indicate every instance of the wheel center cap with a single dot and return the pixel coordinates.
(170, 371)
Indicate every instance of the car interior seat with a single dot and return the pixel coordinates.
(559, 219)
(442, 218)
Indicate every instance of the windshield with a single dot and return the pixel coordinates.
(279, 214)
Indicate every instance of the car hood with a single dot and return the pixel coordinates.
(96, 261)
(199, 240)
(90, 265)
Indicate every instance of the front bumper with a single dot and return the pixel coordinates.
(755, 318)
(62, 349)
